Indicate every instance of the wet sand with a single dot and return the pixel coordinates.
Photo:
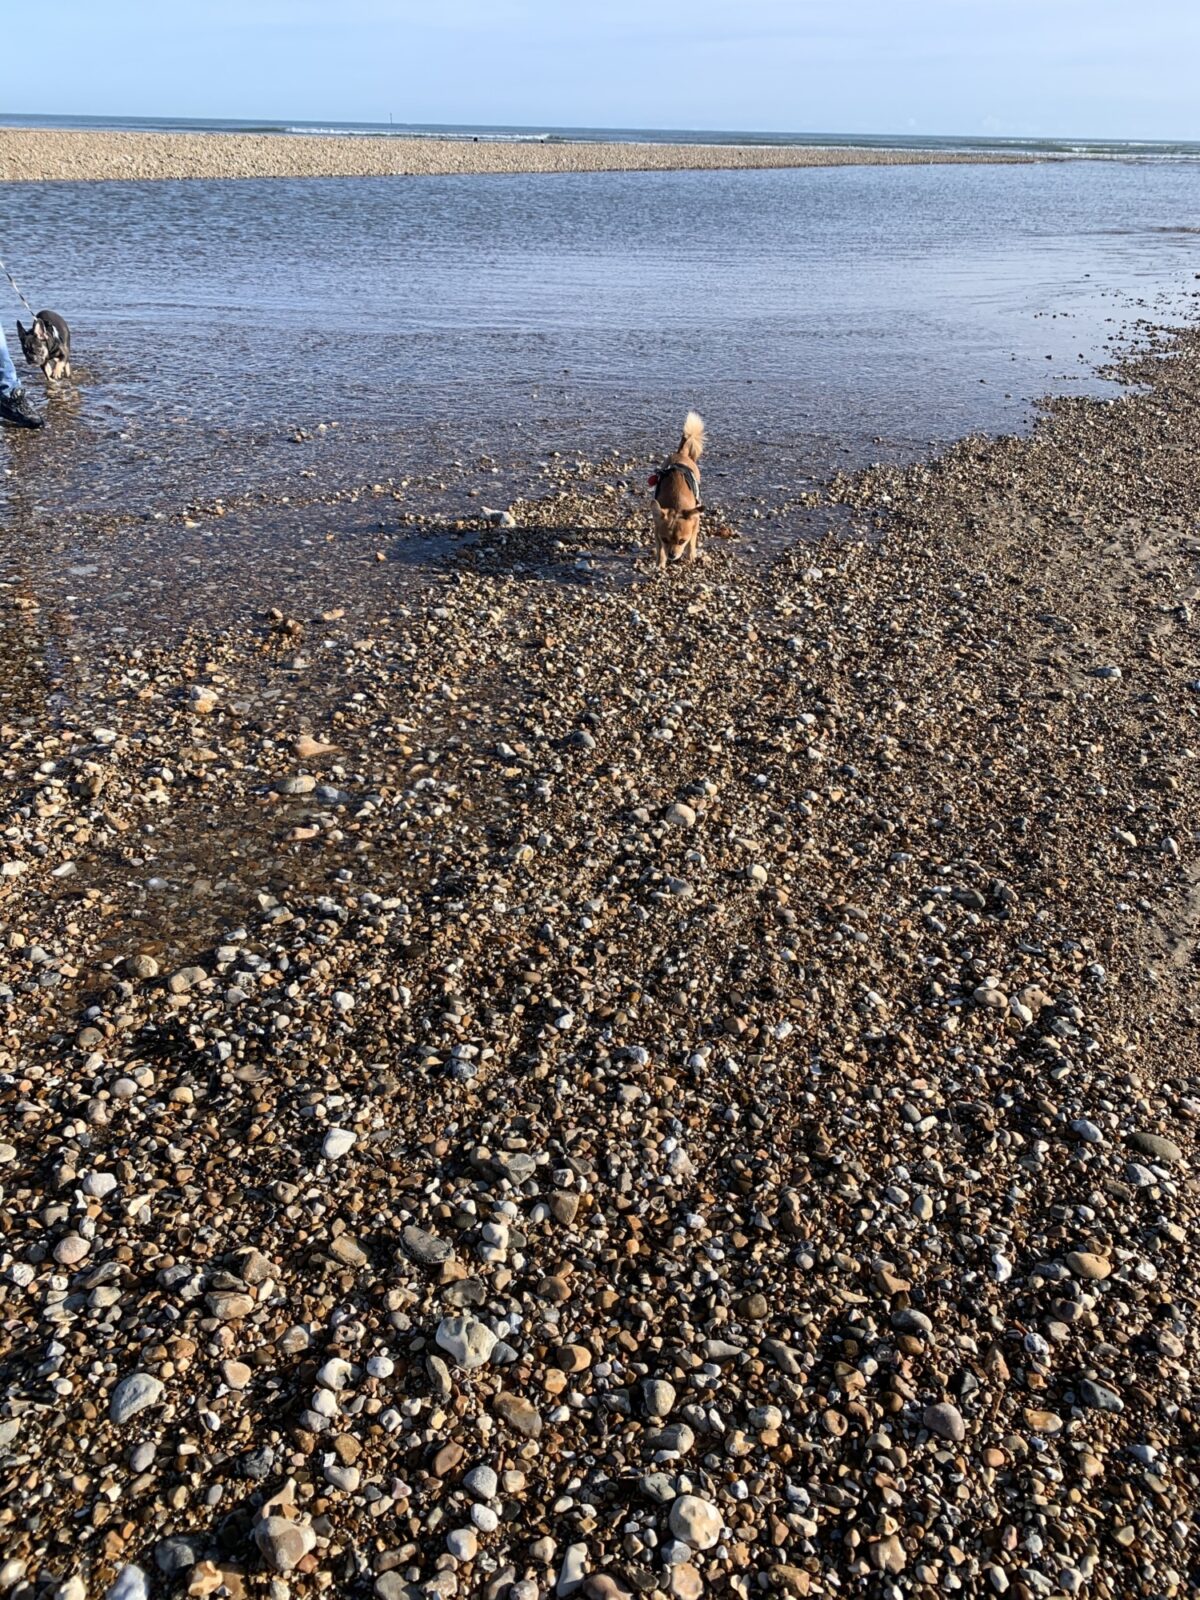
(57, 155)
(698, 1090)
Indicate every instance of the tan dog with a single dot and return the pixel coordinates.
(677, 505)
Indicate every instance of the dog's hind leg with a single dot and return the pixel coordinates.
(659, 539)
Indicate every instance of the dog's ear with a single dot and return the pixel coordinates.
(22, 329)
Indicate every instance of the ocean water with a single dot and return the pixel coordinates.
(459, 329)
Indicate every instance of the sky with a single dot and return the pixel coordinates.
(1060, 68)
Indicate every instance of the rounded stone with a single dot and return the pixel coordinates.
(482, 1483)
(1086, 1265)
(659, 1397)
(71, 1250)
(697, 1522)
(680, 816)
(462, 1544)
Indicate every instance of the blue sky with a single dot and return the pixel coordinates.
(1102, 68)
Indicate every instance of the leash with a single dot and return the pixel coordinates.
(17, 291)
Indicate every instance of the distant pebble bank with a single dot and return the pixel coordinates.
(44, 155)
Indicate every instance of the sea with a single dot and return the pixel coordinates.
(281, 346)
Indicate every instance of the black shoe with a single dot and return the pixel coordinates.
(17, 412)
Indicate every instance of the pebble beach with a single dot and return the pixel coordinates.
(708, 1101)
(47, 155)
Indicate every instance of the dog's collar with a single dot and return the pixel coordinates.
(689, 477)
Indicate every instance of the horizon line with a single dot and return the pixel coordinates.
(535, 127)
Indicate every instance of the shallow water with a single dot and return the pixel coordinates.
(818, 317)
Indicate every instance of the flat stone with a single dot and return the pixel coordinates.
(255, 1268)
(133, 1394)
(1086, 1265)
(1043, 1421)
(1156, 1146)
(346, 1249)
(186, 978)
(912, 1321)
(946, 1421)
(228, 1305)
(391, 1586)
(130, 1583)
(657, 1486)
(467, 1341)
(678, 1438)
(571, 1573)
(520, 1415)
(784, 1357)
(516, 1165)
(686, 1582)
(447, 1459)
(334, 1374)
(426, 1248)
(283, 1543)
(887, 1555)
(1099, 1397)
(792, 1580)
(336, 1143)
(602, 1586)
(176, 1554)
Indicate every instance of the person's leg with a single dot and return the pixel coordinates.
(8, 373)
(15, 409)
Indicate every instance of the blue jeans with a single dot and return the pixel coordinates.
(8, 373)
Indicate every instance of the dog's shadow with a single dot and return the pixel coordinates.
(563, 553)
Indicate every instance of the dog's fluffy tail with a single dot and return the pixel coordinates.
(692, 443)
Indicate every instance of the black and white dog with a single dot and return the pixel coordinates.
(47, 345)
